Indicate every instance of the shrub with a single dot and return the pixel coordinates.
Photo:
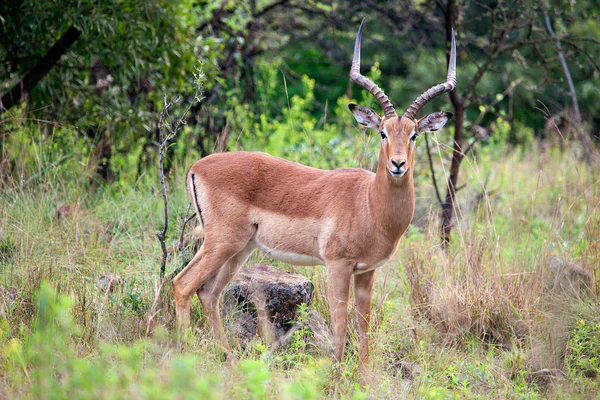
(46, 362)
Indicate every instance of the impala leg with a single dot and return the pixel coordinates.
(363, 289)
(338, 291)
(210, 293)
(205, 264)
(183, 302)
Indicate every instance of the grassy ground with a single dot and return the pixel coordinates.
(515, 294)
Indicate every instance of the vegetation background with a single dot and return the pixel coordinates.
(493, 292)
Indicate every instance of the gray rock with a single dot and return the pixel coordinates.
(569, 277)
(263, 299)
(108, 282)
(408, 370)
(243, 326)
(316, 324)
(546, 376)
(8, 296)
(279, 291)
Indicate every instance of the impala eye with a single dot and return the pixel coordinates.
(414, 136)
(383, 135)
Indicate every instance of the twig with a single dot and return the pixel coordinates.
(152, 313)
(182, 243)
(285, 339)
(470, 146)
(584, 52)
(487, 108)
(166, 134)
(181, 247)
(162, 152)
(493, 104)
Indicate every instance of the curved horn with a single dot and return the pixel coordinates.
(355, 75)
(435, 91)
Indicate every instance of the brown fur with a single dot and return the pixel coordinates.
(349, 219)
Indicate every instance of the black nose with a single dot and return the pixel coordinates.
(397, 164)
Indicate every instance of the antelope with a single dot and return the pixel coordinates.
(349, 220)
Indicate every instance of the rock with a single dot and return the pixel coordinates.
(85, 225)
(108, 282)
(315, 323)
(569, 277)
(243, 325)
(280, 291)
(408, 370)
(68, 211)
(270, 296)
(545, 376)
(8, 296)
(191, 242)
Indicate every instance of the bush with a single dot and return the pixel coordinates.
(47, 363)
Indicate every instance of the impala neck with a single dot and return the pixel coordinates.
(392, 200)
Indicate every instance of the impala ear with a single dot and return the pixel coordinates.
(434, 121)
(365, 116)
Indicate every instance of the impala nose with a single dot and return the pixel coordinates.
(398, 164)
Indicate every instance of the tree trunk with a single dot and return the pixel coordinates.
(586, 141)
(457, 156)
(31, 78)
(452, 12)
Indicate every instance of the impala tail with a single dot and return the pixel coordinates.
(198, 231)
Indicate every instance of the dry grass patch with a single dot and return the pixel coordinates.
(471, 296)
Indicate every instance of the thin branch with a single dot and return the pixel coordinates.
(584, 52)
(183, 240)
(162, 152)
(497, 100)
(152, 313)
(270, 7)
(487, 108)
(583, 39)
(167, 133)
(565, 67)
(586, 142)
(437, 190)
(492, 55)
(470, 146)
(181, 246)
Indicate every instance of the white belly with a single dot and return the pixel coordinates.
(287, 257)
(366, 267)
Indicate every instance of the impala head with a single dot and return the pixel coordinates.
(399, 133)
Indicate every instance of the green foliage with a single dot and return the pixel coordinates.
(46, 359)
(151, 49)
(131, 299)
(583, 353)
(124, 35)
(145, 46)
(255, 374)
(329, 141)
(309, 381)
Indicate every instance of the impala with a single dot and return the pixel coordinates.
(350, 220)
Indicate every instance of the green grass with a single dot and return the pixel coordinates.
(476, 319)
